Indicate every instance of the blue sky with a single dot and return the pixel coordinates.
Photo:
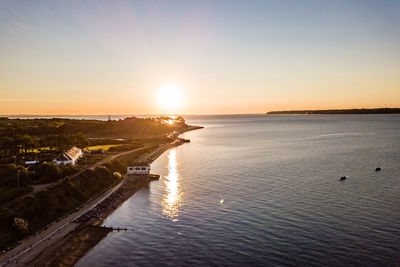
(95, 57)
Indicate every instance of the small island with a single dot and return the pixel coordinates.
(339, 111)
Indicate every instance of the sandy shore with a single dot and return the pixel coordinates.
(71, 238)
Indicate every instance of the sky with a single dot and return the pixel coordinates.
(219, 57)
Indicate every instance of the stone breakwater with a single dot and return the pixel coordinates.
(74, 237)
(130, 185)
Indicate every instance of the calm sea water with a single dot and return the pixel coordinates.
(265, 190)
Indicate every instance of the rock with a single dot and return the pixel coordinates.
(378, 169)
(343, 178)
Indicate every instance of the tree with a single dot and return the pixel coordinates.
(46, 172)
(6, 145)
(9, 173)
(180, 121)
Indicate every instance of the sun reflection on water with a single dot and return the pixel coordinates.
(172, 196)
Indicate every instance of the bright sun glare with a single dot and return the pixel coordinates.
(170, 98)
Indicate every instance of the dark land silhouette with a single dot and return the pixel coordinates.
(340, 111)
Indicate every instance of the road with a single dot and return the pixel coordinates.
(33, 245)
(40, 187)
(110, 158)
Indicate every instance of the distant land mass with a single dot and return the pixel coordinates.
(341, 111)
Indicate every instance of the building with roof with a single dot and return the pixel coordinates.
(69, 157)
(138, 169)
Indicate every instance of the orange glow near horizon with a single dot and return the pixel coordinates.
(59, 58)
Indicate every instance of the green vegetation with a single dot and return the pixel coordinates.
(41, 140)
(341, 111)
(24, 140)
(42, 208)
(11, 173)
(37, 150)
(22, 214)
(130, 157)
(88, 160)
(104, 147)
(39, 173)
(8, 193)
(48, 172)
(45, 206)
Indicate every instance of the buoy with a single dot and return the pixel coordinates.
(343, 178)
(378, 169)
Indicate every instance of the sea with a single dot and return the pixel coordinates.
(265, 190)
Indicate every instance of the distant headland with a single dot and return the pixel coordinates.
(341, 111)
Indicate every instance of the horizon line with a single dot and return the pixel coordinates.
(127, 115)
(180, 114)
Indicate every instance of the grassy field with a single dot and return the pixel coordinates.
(37, 150)
(104, 147)
(44, 149)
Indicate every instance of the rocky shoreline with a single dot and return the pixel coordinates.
(96, 215)
(89, 232)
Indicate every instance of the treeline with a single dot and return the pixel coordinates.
(16, 181)
(21, 138)
(131, 127)
(22, 143)
(12, 175)
(9, 172)
(25, 216)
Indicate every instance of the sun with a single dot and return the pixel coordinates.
(170, 98)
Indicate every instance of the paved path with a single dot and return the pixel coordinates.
(32, 246)
(110, 158)
(40, 187)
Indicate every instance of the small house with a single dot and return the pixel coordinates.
(69, 157)
(30, 162)
(138, 169)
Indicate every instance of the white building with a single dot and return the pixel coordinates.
(30, 162)
(69, 157)
(138, 169)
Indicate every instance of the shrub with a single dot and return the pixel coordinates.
(117, 165)
(46, 206)
(21, 225)
(46, 172)
(68, 170)
(117, 175)
(9, 193)
(8, 175)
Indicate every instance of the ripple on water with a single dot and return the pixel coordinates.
(283, 203)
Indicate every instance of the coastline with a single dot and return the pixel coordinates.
(67, 245)
(337, 111)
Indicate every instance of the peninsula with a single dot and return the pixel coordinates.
(45, 204)
(340, 111)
